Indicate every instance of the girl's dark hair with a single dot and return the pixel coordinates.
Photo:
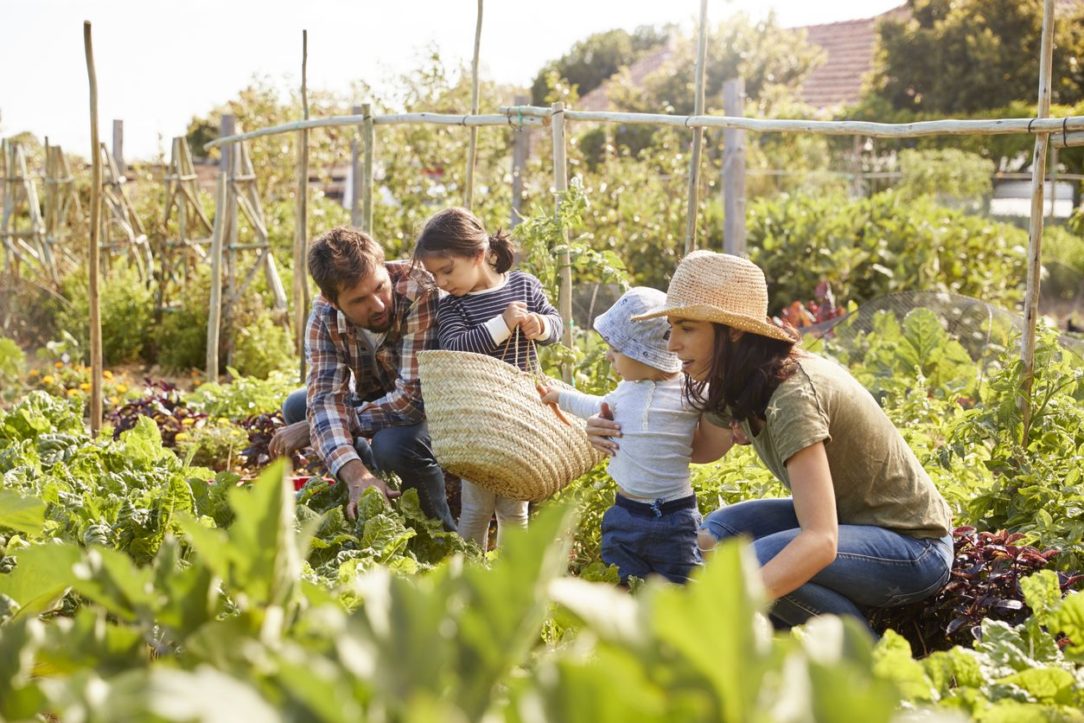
(458, 232)
(743, 376)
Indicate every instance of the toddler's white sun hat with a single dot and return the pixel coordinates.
(643, 341)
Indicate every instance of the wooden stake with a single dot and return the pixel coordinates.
(560, 184)
(473, 149)
(1035, 229)
(368, 140)
(734, 171)
(698, 133)
(218, 240)
(520, 151)
(355, 175)
(118, 145)
(301, 227)
(92, 251)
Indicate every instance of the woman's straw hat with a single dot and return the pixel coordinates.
(724, 289)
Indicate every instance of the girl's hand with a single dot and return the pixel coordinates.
(514, 314)
(533, 327)
(602, 431)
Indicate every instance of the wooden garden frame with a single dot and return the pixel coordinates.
(1070, 129)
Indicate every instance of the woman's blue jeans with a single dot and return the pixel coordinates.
(874, 566)
(405, 451)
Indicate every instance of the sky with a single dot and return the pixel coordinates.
(159, 63)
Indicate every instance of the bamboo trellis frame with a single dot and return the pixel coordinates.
(62, 207)
(120, 215)
(28, 244)
(1070, 128)
(193, 227)
(94, 245)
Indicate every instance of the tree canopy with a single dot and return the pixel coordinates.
(595, 58)
(962, 56)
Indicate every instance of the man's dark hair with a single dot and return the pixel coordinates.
(341, 258)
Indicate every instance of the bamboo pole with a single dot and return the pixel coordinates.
(519, 163)
(118, 145)
(95, 234)
(1035, 230)
(560, 184)
(355, 175)
(534, 115)
(734, 171)
(368, 141)
(698, 133)
(301, 229)
(441, 119)
(218, 236)
(472, 151)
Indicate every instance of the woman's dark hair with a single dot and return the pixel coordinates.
(743, 375)
(458, 232)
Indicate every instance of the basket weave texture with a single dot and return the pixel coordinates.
(488, 424)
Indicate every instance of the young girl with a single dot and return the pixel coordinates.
(485, 306)
(652, 525)
(864, 525)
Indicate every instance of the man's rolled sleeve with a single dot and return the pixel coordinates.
(332, 420)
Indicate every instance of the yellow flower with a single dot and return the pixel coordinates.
(73, 392)
(113, 401)
(122, 388)
(58, 365)
(34, 372)
(188, 421)
(180, 436)
(47, 379)
(85, 387)
(106, 374)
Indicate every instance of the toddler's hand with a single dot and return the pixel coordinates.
(533, 327)
(549, 395)
(514, 314)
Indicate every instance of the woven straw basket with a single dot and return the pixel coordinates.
(488, 425)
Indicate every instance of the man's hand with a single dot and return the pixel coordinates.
(602, 429)
(289, 439)
(514, 314)
(533, 327)
(358, 479)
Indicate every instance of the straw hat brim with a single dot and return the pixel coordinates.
(707, 312)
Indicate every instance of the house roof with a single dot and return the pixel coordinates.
(598, 99)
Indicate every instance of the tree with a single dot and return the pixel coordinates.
(767, 56)
(962, 56)
(592, 60)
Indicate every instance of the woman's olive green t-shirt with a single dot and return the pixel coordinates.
(877, 478)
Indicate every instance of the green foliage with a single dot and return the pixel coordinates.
(262, 347)
(127, 314)
(949, 56)
(946, 174)
(12, 363)
(1035, 487)
(873, 246)
(244, 396)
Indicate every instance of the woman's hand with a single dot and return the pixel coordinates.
(602, 430)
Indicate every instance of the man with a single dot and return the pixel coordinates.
(362, 405)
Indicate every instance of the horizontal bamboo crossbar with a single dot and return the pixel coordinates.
(502, 119)
(1001, 126)
(521, 115)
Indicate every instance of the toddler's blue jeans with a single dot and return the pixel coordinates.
(874, 566)
(644, 537)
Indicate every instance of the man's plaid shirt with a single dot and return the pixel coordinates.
(344, 369)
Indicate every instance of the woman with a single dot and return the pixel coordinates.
(864, 525)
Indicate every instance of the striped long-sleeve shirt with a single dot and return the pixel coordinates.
(355, 390)
(473, 322)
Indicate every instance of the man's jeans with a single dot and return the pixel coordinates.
(405, 451)
(874, 566)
